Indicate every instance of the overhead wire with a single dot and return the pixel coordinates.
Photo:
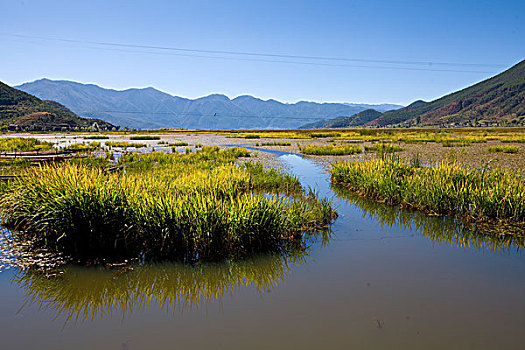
(285, 58)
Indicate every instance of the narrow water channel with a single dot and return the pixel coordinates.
(386, 279)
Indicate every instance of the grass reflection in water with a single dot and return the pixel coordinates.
(80, 293)
(440, 229)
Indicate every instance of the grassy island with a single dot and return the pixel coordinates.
(496, 195)
(196, 206)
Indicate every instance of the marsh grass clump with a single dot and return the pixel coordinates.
(251, 136)
(96, 137)
(453, 143)
(178, 144)
(447, 188)
(92, 146)
(520, 138)
(144, 137)
(504, 149)
(124, 144)
(272, 180)
(196, 206)
(383, 148)
(24, 144)
(321, 135)
(330, 150)
(274, 144)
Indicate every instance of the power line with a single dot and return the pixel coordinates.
(199, 114)
(195, 52)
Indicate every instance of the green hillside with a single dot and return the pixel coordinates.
(499, 100)
(22, 111)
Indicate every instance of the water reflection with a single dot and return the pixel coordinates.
(80, 293)
(437, 228)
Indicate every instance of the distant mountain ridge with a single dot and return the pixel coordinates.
(151, 108)
(496, 101)
(355, 120)
(22, 111)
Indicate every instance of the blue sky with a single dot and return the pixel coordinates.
(460, 32)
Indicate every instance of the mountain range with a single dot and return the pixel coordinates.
(20, 110)
(355, 120)
(151, 108)
(497, 101)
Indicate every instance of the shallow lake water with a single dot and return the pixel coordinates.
(385, 279)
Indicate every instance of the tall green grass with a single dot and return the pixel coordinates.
(383, 148)
(320, 135)
(504, 149)
(83, 147)
(446, 188)
(330, 150)
(144, 137)
(198, 206)
(124, 144)
(23, 144)
(96, 137)
(275, 143)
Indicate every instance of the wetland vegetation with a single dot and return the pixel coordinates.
(23, 144)
(274, 143)
(189, 207)
(144, 137)
(330, 150)
(496, 195)
(504, 149)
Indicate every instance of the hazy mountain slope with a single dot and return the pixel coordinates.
(150, 108)
(29, 112)
(355, 120)
(500, 99)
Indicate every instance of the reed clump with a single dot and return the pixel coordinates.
(321, 135)
(276, 143)
(447, 188)
(92, 146)
(24, 144)
(330, 150)
(144, 137)
(504, 149)
(197, 206)
(124, 144)
(96, 137)
(383, 148)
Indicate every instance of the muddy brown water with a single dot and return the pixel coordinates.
(386, 279)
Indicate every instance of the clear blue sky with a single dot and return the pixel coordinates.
(468, 32)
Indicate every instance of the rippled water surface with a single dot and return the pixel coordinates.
(386, 279)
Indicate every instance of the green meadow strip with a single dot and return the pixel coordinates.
(330, 150)
(124, 144)
(273, 144)
(144, 137)
(504, 149)
(23, 144)
(96, 137)
(383, 148)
